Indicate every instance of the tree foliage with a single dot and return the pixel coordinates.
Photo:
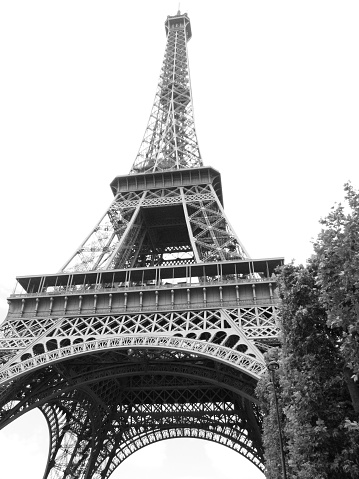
(319, 360)
(337, 249)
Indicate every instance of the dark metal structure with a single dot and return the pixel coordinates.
(156, 326)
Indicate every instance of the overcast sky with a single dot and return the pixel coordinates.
(276, 101)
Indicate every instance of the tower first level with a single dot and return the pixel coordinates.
(191, 301)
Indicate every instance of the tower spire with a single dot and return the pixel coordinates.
(170, 140)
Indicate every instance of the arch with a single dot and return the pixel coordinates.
(231, 380)
(212, 428)
(144, 440)
(244, 362)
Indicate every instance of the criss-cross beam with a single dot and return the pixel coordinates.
(155, 327)
(170, 140)
(99, 413)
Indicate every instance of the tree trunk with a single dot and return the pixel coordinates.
(353, 389)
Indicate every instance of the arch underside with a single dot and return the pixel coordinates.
(103, 407)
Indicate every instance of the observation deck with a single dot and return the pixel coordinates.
(178, 20)
(168, 179)
(230, 285)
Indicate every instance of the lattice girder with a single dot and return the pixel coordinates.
(252, 322)
(152, 398)
(138, 230)
(216, 333)
(244, 362)
(111, 232)
(170, 140)
(48, 383)
(71, 430)
(155, 327)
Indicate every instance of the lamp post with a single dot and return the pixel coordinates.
(273, 366)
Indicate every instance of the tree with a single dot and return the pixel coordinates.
(316, 382)
(337, 249)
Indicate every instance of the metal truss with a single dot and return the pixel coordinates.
(159, 227)
(155, 328)
(188, 353)
(99, 413)
(69, 423)
(130, 234)
(106, 238)
(255, 323)
(170, 140)
(224, 333)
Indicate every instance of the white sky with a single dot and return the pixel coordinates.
(276, 99)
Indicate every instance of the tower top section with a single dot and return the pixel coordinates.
(179, 21)
(170, 140)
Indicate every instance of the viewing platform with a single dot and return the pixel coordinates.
(241, 283)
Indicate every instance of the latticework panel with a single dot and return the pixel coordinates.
(230, 335)
(170, 140)
(70, 429)
(102, 244)
(215, 239)
(121, 434)
(96, 422)
(166, 226)
(254, 322)
(104, 406)
(160, 332)
(149, 423)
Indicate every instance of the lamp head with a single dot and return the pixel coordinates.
(273, 366)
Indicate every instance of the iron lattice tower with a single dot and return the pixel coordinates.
(155, 327)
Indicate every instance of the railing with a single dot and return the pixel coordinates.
(133, 286)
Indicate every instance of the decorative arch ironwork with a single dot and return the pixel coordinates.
(99, 414)
(40, 357)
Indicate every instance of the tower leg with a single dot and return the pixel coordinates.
(71, 438)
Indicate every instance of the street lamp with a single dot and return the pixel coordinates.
(273, 366)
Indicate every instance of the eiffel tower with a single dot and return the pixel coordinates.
(155, 327)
